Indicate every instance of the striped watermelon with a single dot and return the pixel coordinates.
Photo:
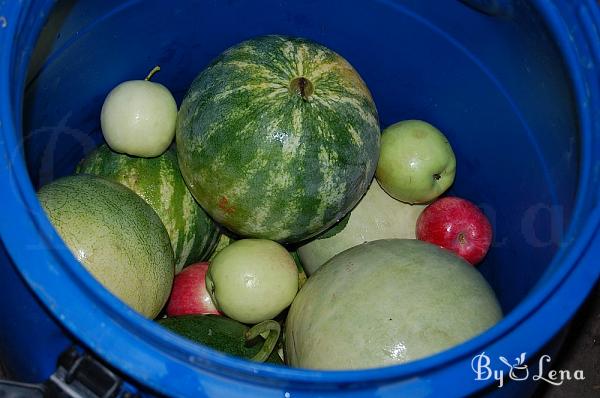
(223, 242)
(158, 181)
(291, 135)
(116, 236)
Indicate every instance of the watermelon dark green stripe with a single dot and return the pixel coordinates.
(158, 181)
(266, 162)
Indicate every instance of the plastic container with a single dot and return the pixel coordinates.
(513, 84)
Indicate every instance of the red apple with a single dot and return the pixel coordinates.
(189, 294)
(457, 225)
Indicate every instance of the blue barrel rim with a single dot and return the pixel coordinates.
(24, 201)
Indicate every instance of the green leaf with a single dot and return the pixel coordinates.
(336, 229)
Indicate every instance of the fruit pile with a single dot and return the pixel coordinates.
(279, 166)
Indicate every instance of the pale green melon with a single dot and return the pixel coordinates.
(116, 236)
(387, 302)
(377, 216)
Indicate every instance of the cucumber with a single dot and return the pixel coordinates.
(229, 336)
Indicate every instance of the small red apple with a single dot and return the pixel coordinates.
(189, 294)
(457, 225)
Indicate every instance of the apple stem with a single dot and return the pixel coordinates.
(152, 72)
(461, 238)
(274, 330)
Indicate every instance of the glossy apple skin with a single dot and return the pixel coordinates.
(252, 280)
(458, 225)
(416, 162)
(189, 295)
(138, 118)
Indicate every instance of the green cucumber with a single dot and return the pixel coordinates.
(229, 336)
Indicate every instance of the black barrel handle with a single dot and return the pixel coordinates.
(13, 389)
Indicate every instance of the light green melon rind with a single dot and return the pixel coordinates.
(377, 216)
(117, 237)
(387, 302)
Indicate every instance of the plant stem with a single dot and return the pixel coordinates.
(270, 342)
(152, 72)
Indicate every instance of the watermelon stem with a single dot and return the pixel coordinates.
(152, 72)
(274, 330)
(302, 86)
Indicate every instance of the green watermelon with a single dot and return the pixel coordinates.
(158, 181)
(224, 241)
(116, 236)
(278, 138)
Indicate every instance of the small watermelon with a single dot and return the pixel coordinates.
(117, 237)
(194, 235)
(292, 134)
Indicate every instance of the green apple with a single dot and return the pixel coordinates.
(138, 118)
(252, 280)
(416, 162)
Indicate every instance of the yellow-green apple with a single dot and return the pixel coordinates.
(252, 280)
(138, 118)
(416, 162)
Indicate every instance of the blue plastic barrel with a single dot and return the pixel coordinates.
(515, 85)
